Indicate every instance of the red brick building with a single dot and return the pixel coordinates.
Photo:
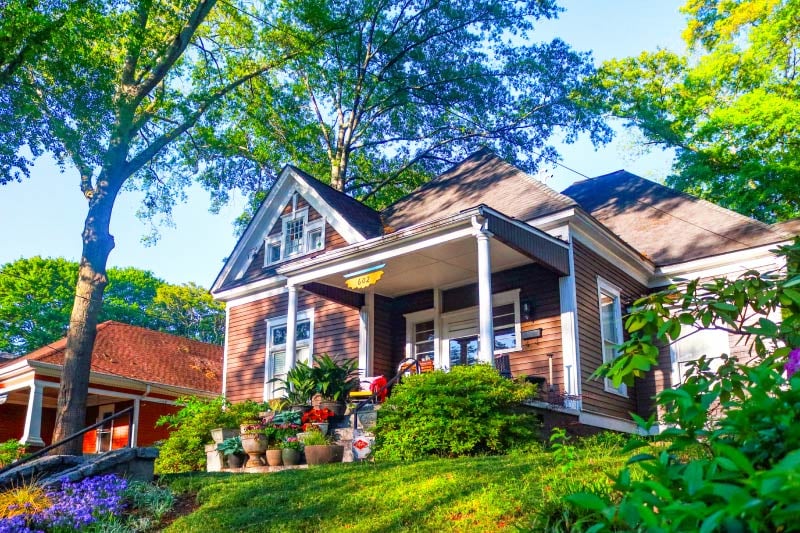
(131, 367)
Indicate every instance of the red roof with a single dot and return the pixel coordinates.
(146, 355)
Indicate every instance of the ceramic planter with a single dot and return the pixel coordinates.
(274, 457)
(220, 434)
(235, 460)
(323, 427)
(254, 445)
(324, 453)
(338, 408)
(290, 456)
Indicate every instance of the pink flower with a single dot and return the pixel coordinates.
(793, 363)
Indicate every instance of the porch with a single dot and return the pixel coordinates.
(479, 287)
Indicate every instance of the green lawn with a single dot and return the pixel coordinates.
(467, 494)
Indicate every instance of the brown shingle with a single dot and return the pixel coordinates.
(482, 178)
(666, 225)
(146, 355)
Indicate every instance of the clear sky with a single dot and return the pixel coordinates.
(44, 215)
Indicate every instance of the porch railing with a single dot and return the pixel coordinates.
(80, 433)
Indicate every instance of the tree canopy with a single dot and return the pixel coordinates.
(36, 298)
(730, 109)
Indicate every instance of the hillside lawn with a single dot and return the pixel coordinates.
(518, 491)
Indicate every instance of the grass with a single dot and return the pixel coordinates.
(521, 490)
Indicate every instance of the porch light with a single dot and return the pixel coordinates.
(526, 310)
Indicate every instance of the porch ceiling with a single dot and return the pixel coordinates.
(447, 264)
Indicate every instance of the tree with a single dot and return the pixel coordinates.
(400, 91)
(113, 107)
(36, 296)
(730, 110)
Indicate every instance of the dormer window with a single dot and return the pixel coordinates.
(299, 237)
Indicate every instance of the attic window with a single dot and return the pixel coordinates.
(298, 237)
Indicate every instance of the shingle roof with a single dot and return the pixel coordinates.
(145, 355)
(363, 218)
(792, 227)
(666, 225)
(482, 178)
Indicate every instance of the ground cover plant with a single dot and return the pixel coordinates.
(466, 411)
(489, 493)
(730, 460)
(102, 503)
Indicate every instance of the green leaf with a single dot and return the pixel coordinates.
(587, 500)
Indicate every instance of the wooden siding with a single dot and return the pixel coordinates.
(588, 266)
(149, 413)
(336, 331)
(382, 358)
(13, 421)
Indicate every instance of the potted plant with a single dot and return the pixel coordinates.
(232, 449)
(334, 380)
(254, 442)
(317, 417)
(291, 451)
(298, 387)
(320, 450)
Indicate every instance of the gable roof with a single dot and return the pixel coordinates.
(145, 355)
(666, 225)
(362, 217)
(482, 178)
(792, 227)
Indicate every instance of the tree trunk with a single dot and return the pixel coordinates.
(92, 281)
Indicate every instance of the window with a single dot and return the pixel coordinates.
(298, 237)
(424, 339)
(610, 328)
(694, 343)
(276, 349)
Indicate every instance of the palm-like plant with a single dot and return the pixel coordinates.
(334, 379)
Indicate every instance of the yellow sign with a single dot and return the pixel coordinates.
(365, 280)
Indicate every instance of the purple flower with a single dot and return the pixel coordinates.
(793, 363)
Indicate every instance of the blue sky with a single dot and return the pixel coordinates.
(44, 215)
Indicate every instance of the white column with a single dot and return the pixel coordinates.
(570, 348)
(485, 325)
(33, 418)
(291, 329)
(134, 429)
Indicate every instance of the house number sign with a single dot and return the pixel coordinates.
(364, 278)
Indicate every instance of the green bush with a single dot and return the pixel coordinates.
(10, 451)
(469, 410)
(183, 451)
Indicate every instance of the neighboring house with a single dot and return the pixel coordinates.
(482, 264)
(131, 367)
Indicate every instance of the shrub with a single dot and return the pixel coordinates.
(10, 451)
(469, 410)
(191, 429)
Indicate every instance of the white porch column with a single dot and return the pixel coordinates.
(485, 325)
(134, 429)
(33, 418)
(291, 329)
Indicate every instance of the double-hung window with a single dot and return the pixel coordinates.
(610, 328)
(694, 343)
(275, 366)
(298, 237)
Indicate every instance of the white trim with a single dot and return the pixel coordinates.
(134, 429)
(32, 434)
(371, 256)
(570, 349)
(302, 315)
(21, 385)
(719, 265)
(604, 286)
(363, 339)
(608, 422)
(115, 394)
(339, 223)
(369, 299)
(524, 226)
(485, 323)
(547, 222)
(280, 238)
(412, 319)
(438, 350)
(225, 350)
(256, 296)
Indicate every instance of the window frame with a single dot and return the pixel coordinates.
(688, 331)
(304, 315)
(280, 238)
(614, 292)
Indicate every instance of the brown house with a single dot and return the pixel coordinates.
(482, 264)
(131, 367)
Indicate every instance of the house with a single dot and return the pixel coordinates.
(131, 367)
(482, 264)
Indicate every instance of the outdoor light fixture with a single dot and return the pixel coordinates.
(3, 398)
(527, 310)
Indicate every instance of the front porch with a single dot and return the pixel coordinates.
(478, 288)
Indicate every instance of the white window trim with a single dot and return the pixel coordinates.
(308, 227)
(305, 314)
(604, 286)
(686, 332)
(412, 319)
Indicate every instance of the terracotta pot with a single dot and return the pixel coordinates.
(324, 453)
(338, 408)
(274, 457)
(290, 456)
(254, 445)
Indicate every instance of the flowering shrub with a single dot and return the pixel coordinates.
(73, 507)
(317, 415)
(736, 470)
(10, 451)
